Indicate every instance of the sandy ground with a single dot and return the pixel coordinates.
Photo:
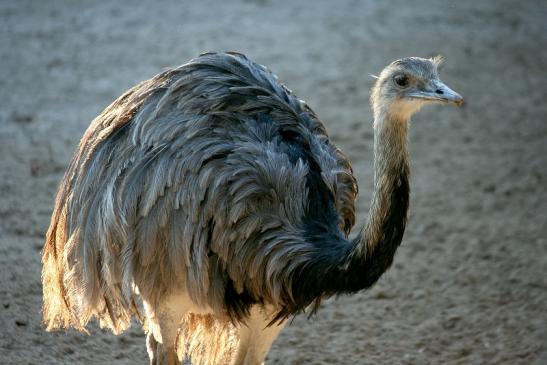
(468, 285)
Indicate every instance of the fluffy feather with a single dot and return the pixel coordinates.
(195, 176)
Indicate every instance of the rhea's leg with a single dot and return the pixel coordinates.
(256, 338)
(163, 321)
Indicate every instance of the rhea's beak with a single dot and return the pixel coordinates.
(439, 92)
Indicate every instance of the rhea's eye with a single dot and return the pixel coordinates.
(401, 80)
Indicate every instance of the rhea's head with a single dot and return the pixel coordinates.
(407, 84)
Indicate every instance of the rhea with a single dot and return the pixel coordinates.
(210, 202)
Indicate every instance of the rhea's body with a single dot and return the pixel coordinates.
(215, 196)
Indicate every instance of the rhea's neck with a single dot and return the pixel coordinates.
(389, 205)
(362, 262)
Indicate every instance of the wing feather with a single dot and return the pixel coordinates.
(184, 181)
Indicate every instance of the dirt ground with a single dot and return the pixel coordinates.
(468, 285)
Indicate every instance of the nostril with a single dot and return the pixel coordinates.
(439, 91)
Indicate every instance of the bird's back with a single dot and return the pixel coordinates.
(211, 175)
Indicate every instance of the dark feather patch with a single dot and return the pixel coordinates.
(327, 273)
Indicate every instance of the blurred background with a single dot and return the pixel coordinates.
(468, 285)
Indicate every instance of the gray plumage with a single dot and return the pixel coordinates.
(207, 180)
